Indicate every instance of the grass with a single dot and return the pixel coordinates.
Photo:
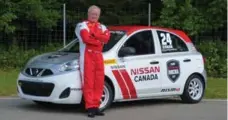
(8, 82)
(216, 87)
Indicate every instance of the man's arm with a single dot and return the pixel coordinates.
(103, 36)
(87, 38)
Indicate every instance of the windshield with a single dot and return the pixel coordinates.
(114, 38)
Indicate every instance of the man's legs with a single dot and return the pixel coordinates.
(99, 81)
(88, 85)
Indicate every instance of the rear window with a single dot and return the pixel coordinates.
(171, 43)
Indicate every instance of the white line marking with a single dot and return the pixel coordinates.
(215, 100)
(206, 100)
(9, 98)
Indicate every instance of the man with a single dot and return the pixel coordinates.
(92, 36)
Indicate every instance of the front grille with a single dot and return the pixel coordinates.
(36, 88)
(35, 72)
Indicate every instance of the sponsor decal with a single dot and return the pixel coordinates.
(75, 89)
(124, 81)
(118, 67)
(173, 70)
(166, 42)
(129, 83)
(145, 74)
(110, 61)
(121, 82)
(139, 74)
(170, 89)
(117, 32)
(145, 77)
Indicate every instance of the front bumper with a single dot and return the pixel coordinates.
(40, 89)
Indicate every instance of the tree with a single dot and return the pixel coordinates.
(193, 16)
(44, 12)
(6, 16)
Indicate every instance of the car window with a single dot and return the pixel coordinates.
(171, 43)
(142, 42)
(115, 36)
(72, 47)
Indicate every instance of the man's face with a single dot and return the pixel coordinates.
(93, 15)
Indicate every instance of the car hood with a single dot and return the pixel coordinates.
(56, 57)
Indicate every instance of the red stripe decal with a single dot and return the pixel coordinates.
(121, 84)
(129, 83)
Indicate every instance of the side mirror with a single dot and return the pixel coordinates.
(126, 51)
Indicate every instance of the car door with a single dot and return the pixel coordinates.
(175, 60)
(141, 71)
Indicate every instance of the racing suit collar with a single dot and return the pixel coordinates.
(92, 23)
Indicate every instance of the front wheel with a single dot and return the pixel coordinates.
(107, 97)
(194, 90)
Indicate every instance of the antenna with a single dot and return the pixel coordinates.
(64, 25)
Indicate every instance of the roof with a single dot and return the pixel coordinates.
(132, 28)
(129, 29)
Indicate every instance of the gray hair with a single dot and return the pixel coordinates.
(92, 7)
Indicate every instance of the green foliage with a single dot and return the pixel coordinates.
(6, 16)
(193, 16)
(16, 57)
(35, 10)
(215, 53)
(45, 12)
(114, 12)
(214, 12)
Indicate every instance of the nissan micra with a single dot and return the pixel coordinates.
(141, 62)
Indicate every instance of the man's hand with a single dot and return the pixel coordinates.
(88, 38)
(95, 37)
(98, 35)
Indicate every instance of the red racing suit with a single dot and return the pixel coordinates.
(92, 37)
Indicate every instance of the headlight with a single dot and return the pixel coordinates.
(72, 65)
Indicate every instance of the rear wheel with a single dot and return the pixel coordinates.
(194, 90)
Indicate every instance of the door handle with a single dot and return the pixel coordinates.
(187, 60)
(154, 62)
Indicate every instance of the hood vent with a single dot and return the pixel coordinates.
(37, 72)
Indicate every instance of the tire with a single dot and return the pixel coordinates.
(107, 100)
(108, 97)
(194, 90)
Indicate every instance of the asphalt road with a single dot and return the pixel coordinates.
(166, 109)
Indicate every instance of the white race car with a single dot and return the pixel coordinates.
(140, 63)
